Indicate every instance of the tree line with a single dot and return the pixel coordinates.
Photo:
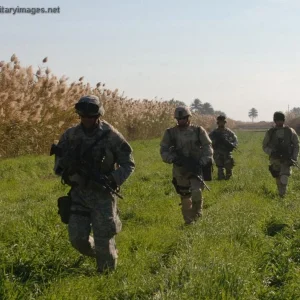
(207, 109)
(198, 107)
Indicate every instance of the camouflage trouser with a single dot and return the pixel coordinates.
(224, 161)
(95, 211)
(280, 170)
(190, 190)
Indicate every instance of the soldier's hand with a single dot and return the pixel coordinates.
(111, 181)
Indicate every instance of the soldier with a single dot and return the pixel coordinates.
(181, 143)
(223, 141)
(281, 143)
(94, 159)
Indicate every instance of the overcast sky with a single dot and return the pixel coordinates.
(233, 54)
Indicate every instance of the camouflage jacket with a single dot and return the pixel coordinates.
(105, 150)
(281, 139)
(192, 141)
(219, 136)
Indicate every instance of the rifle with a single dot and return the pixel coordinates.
(220, 139)
(202, 181)
(190, 165)
(100, 181)
(294, 162)
(74, 163)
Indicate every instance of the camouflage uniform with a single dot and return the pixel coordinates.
(95, 208)
(191, 141)
(222, 155)
(287, 140)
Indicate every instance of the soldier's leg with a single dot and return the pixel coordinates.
(187, 208)
(219, 160)
(182, 186)
(221, 174)
(274, 169)
(285, 172)
(229, 163)
(79, 228)
(197, 198)
(106, 224)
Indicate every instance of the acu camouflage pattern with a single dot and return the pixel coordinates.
(222, 156)
(94, 209)
(191, 141)
(280, 168)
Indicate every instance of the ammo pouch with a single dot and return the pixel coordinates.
(274, 173)
(64, 208)
(207, 171)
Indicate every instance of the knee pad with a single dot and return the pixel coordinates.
(284, 179)
(181, 190)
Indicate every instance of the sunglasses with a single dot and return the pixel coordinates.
(87, 116)
(85, 108)
(184, 118)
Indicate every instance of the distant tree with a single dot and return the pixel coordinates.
(219, 112)
(177, 102)
(196, 105)
(253, 113)
(207, 109)
(296, 111)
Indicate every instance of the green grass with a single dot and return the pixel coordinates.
(247, 246)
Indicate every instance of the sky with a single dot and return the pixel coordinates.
(234, 54)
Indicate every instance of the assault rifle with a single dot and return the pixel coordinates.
(100, 181)
(190, 165)
(294, 162)
(280, 153)
(73, 163)
(221, 140)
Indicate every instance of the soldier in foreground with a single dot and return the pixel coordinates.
(188, 148)
(94, 159)
(224, 141)
(281, 143)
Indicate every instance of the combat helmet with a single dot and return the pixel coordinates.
(278, 116)
(221, 118)
(89, 105)
(182, 112)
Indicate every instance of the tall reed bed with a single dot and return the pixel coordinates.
(36, 107)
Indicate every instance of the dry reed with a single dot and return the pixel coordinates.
(37, 106)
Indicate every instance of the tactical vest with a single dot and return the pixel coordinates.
(86, 157)
(194, 151)
(281, 144)
(193, 146)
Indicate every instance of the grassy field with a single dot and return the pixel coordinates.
(247, 246)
